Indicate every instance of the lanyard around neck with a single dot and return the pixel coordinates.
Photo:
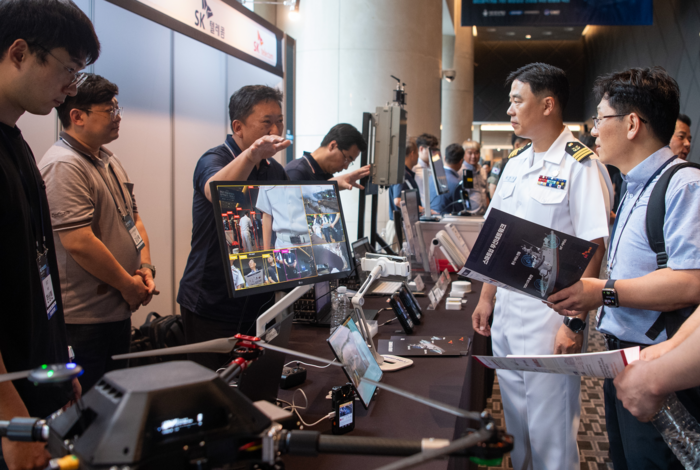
(611, 259)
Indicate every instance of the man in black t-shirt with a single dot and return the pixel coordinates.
(43, 45)
(207, 310)
(339, 148)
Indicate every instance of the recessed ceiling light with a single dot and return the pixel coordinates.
(491, 30)
(527, 36)
(510, 33)
(569, 29)
(547, 33)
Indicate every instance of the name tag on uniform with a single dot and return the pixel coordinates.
(134, 232)
(551, 182)
(49, 297)
(510, 179)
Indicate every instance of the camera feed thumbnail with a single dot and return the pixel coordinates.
(272, 236)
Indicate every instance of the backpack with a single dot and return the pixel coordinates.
(157, 332)
(656, 215)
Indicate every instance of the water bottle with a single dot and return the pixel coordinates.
(341, 307)
(680, 431)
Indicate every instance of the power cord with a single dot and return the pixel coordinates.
(310, 365)
(295, 409)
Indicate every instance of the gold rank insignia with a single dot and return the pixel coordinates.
(517, 152)
(580, 152)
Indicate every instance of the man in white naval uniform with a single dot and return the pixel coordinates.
(542, 411)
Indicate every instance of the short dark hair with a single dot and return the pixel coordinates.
(454, 153)
(95, 90)
(427, 140)
(543, 78)
(514, 138)
(650, 92)
(242, 102)
(588, 140)
(345, 135)
(684, 119)
(47, 25)
(411, 145)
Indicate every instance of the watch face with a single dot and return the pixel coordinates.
(609, 298)
(576, 324)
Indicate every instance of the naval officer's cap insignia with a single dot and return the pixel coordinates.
(580, 152)
(517, 152)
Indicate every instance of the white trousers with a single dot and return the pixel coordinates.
(542, 411)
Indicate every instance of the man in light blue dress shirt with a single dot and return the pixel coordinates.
(637, 113)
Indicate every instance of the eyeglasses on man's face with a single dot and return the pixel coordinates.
(77, 78)
(113, 113)
(596, 120)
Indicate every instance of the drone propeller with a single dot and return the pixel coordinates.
(220, 346)
(47, 373)
(453, 410)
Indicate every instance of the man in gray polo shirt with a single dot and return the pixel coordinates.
(101, 243)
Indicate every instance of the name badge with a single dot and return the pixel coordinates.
(134, 232)
(551, 182)
(47, 286)
(510, 179)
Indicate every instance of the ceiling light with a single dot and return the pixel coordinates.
(491, 30)
(474, 31)
(527, 36)
(510, 33)
(569, 29)
(546, 33)
(496, 127)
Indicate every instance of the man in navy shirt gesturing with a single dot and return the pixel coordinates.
(207, 311)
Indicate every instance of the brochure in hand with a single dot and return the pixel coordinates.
(515, 254)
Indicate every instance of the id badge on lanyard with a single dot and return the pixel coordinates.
(45, 275)
(134, 232)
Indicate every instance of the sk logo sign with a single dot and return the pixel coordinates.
(200, 15)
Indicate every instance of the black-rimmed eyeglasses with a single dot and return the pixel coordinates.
(596, 120)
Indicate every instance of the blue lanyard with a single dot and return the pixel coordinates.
(619, 211)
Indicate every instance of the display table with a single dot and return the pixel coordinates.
(457, 381)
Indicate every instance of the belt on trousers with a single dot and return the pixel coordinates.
(613, 343)
(296, 239)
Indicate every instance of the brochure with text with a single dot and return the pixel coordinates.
(606, 364)
(515, 254)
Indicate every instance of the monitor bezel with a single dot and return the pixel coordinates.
(280, 286)
(436, 181)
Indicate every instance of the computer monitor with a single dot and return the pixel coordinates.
(277, 235)
(352, 352)
(438, 171)
(360, 248)
(410, 199)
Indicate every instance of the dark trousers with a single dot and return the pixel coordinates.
(635, 445)
(198, 329)
(95, 344)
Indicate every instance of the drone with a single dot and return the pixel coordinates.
(180, 415)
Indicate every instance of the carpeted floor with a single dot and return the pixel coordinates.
(592, 437)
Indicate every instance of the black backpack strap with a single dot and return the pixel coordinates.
(656, 216)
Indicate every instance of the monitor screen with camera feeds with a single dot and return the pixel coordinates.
(279, 235)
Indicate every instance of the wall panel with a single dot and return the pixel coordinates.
(136, 56)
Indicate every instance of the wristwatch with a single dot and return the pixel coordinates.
(610, 294)
(575, 324)
(151, 267)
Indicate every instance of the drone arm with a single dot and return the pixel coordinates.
(25, 430)
(312, 443)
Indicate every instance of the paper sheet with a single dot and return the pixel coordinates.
(606, 364)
